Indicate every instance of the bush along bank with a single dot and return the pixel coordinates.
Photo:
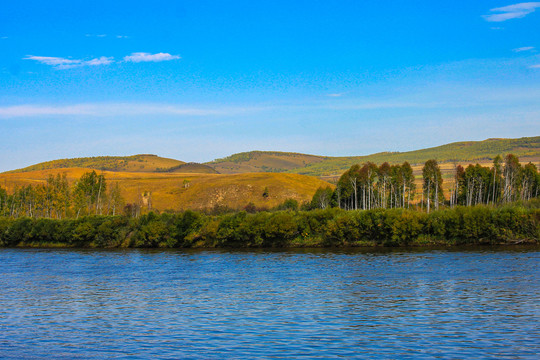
(281, 229)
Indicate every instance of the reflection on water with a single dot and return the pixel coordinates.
(245, 304)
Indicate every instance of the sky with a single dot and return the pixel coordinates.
(198, 80)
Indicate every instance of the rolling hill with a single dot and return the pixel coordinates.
(134, 163)
(191, 167)
(265, 161)
(527, 149)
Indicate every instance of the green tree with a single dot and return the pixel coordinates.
(512, 169)
(529, 182)
(115, 199)
(89, 193)
(497, 179)
(322, 198)
(3, 201)
(431, 174)
(383, 184)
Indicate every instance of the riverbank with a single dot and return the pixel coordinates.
(478, 225)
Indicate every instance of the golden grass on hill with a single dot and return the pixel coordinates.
(177, 191)
(134, 163)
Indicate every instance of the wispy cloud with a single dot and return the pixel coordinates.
(122, 37)
(336, 94)
(537, 66)
(57, 62)
(140, 109)
(511, 11)
(3, 37)
(147, 57)
(67, 63)
(64, 63)
(123, 109)
(99, 61)
(524, 48)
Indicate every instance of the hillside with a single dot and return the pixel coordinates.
(527, 149)
(134, 163)
(191, 167)
(180, 191)
(264, 161)
(483, 152)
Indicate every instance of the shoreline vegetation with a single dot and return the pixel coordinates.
(513, 224)
(370, 206)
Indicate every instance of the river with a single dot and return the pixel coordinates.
(318, 303)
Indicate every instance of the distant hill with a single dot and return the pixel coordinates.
(181, 191)
(264, 161)
(134, 163)
(191, 167)
(527, 148)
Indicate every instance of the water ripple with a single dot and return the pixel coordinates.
(71, 304)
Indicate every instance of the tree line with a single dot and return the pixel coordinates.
(368, 186)
(57, 199)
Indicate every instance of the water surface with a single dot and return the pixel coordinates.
(264, 304)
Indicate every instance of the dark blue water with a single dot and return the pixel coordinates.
(298, 304)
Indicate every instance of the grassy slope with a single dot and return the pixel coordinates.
(459, 152)
(192, 168)
(528, 149)
(265, 161)
(134, 163)
(204, 190)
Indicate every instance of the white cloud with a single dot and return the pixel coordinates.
(524, 48)
(122, 37)
(511, 11)
(147, 57)
(66, 63)
(537, 66)
(54, 61)
(63, 63)
(99, 61)
(336, 95)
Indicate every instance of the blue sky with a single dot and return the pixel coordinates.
(199, 80)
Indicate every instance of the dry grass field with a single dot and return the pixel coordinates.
(180, 191)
